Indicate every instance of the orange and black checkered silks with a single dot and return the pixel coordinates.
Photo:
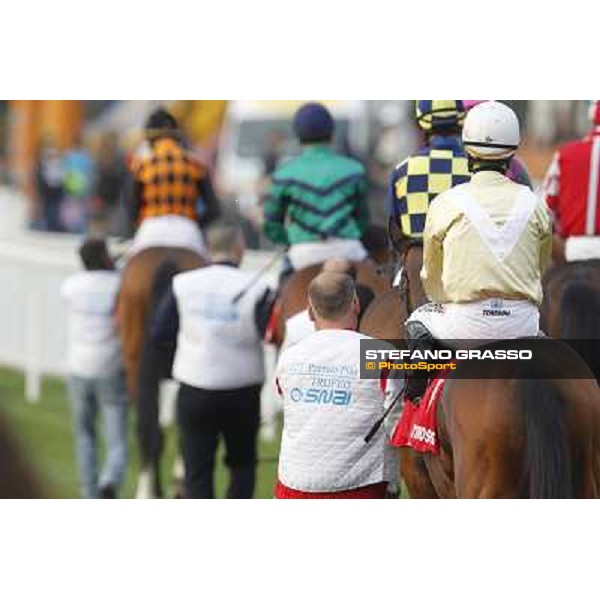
(168, 181)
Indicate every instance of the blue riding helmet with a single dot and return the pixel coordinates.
(313, 123)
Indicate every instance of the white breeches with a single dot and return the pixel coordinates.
(171, 231)
(493, 319)
(312, 253)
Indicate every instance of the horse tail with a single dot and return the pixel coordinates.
(580, 320)
(548, 472)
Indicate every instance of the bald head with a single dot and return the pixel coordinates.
(339, 265)
(226, 242)
(332, 299)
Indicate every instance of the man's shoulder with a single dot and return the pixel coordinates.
(189, 277)
(85, 281)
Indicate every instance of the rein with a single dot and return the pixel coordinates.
(404, 284)
(404, 290)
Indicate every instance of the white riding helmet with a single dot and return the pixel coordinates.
(491, 131)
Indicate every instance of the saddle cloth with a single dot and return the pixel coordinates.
(417, 426)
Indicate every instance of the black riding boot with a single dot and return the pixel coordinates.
(418, 337)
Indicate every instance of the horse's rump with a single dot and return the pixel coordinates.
(528, 434)
(293, 296)
(137, 283)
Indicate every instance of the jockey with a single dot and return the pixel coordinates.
(516, 169)
(171, 195)
(438, 166)
(317, 202)
(571, 190)
(441, 164)
(486, 246)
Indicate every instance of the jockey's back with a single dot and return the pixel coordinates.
(171, 194)
(169, 181)
(485, 247)
(316, 196)
(418, 179)
(572, 185)
(489, 238)
(438, 166)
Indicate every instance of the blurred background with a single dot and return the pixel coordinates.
(67, 159)
(62, 168)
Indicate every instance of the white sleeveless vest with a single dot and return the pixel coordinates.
(218, 346)
(328, 410)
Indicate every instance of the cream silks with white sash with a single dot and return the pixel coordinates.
(500, 239)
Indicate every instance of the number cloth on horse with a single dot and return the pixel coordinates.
(572, 191)
(417, 426)
(328, 409)
(317, 204)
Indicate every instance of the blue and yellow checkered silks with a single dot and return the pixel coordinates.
(421, 177)
(434, 115)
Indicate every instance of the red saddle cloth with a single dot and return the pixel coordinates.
(417, 426)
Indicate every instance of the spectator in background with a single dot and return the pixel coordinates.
(78, 183)
(109, 182)
(50, 179)
(96, 377)
(274, 151)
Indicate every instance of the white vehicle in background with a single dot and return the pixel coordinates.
(248, 128)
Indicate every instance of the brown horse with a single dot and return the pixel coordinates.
(571, 308)
(134, 297)
(525, 436)
(384, 319)
(385, 316)
(139, 285)
(294, 292)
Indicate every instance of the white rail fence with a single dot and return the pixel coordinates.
(33, 318)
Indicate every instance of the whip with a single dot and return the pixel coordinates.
(258, 275)
(377, 425)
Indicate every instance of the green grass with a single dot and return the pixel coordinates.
(44, 433)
